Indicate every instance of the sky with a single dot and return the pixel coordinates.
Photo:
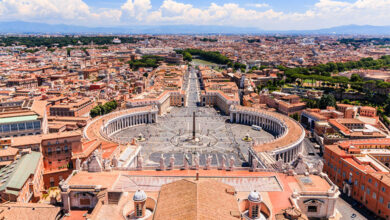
(262, 14)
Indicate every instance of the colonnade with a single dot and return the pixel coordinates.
(129, 120)
(289, 154)
(266, 122)
(271, 124)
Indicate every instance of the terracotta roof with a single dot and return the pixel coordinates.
(10, 151)
(191, 199)
(28, 211)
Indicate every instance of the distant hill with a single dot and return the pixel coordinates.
(35, 28)
(21, 27)
(353, 29)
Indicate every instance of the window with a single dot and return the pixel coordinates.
(362, 187)
(37, 125)
(356, 182)
(374, 195)
(381, 199)
(368, 191)
(29, 125)
(5, 128)
(51, 181)
(58, 150)
(376, 184)
(49, 150)
(138, 210)
(66, 149)
(388, 205)
(383, 189)
(22, 126)
(312, 208)
(14, 127)
(369, 180)
(255, 211)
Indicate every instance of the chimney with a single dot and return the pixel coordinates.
(197, 176)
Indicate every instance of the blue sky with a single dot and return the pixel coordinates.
(264, 14)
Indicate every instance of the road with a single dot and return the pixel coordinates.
(193, 91)
(347, 211)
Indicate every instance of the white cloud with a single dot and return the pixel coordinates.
(53, 11)
(259, 5)
(135, 9)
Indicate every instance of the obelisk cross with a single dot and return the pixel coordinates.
(193, 126)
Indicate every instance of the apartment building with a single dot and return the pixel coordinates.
(72, 107)
(21, 123)
(361, 169)
(57, 155)
(22, 180)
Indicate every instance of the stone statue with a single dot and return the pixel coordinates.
(208, 162)
(162, 165)
(95, 163)
(78, 163)
(302, 167)
(140, 161)
(280, 163)
(196, 161)
(106, 164)
(172, 161)
(114, 161)
(85, 165)
(231, 163)
(254, 164)
(185, 161)
(320, 166)
(223, 163)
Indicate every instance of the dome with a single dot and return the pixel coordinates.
(254, 196)
(140, 195)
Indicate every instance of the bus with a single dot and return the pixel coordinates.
(255, 127)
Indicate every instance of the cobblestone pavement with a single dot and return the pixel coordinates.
(215, 136)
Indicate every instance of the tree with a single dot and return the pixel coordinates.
(346, 101)
(327, 100)
(187, 56)
(94, 112)
(295, 116)
(356, 78)
(311, 103)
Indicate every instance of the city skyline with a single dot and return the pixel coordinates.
(260, 14)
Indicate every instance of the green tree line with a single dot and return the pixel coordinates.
(322, 72)
(212, 56)
(103, 109)
(145, 61)
(63, 40)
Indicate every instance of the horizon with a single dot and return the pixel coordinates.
(281, 15)
(38, 28)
